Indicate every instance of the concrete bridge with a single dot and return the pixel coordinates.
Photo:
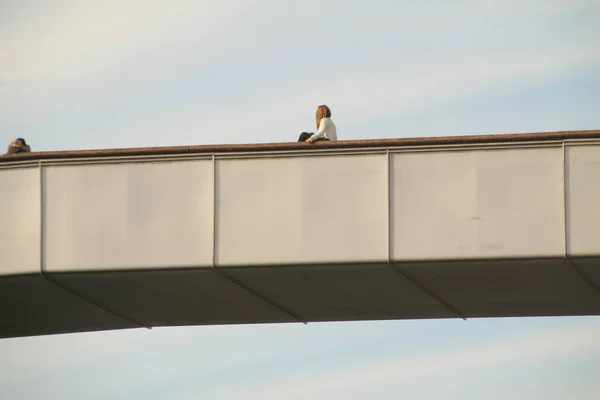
(451, 227)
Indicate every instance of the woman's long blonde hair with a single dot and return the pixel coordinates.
(322, 112)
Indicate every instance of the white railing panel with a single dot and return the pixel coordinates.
(124, 216)
(583, 200)
(322, 209)
(19, 221)
(477, 204)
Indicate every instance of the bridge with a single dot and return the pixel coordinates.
(449, 227)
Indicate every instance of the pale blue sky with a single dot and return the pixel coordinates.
(103, 74)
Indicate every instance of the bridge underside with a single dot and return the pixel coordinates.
(93, 301)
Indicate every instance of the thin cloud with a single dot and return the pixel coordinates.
(30, 358)
(397, 88)
(102, 67)
(521, 351)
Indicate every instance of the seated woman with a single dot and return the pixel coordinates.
(326, 130)
(18, 146)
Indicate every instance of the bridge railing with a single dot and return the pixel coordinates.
(336, 203)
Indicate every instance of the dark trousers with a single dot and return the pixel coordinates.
(13, 150)
(306, 135)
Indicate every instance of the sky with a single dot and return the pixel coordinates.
(89, 74)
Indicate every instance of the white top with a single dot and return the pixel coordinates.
(326, 130)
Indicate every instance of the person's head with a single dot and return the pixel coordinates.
(21, 142)
(322, 112)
